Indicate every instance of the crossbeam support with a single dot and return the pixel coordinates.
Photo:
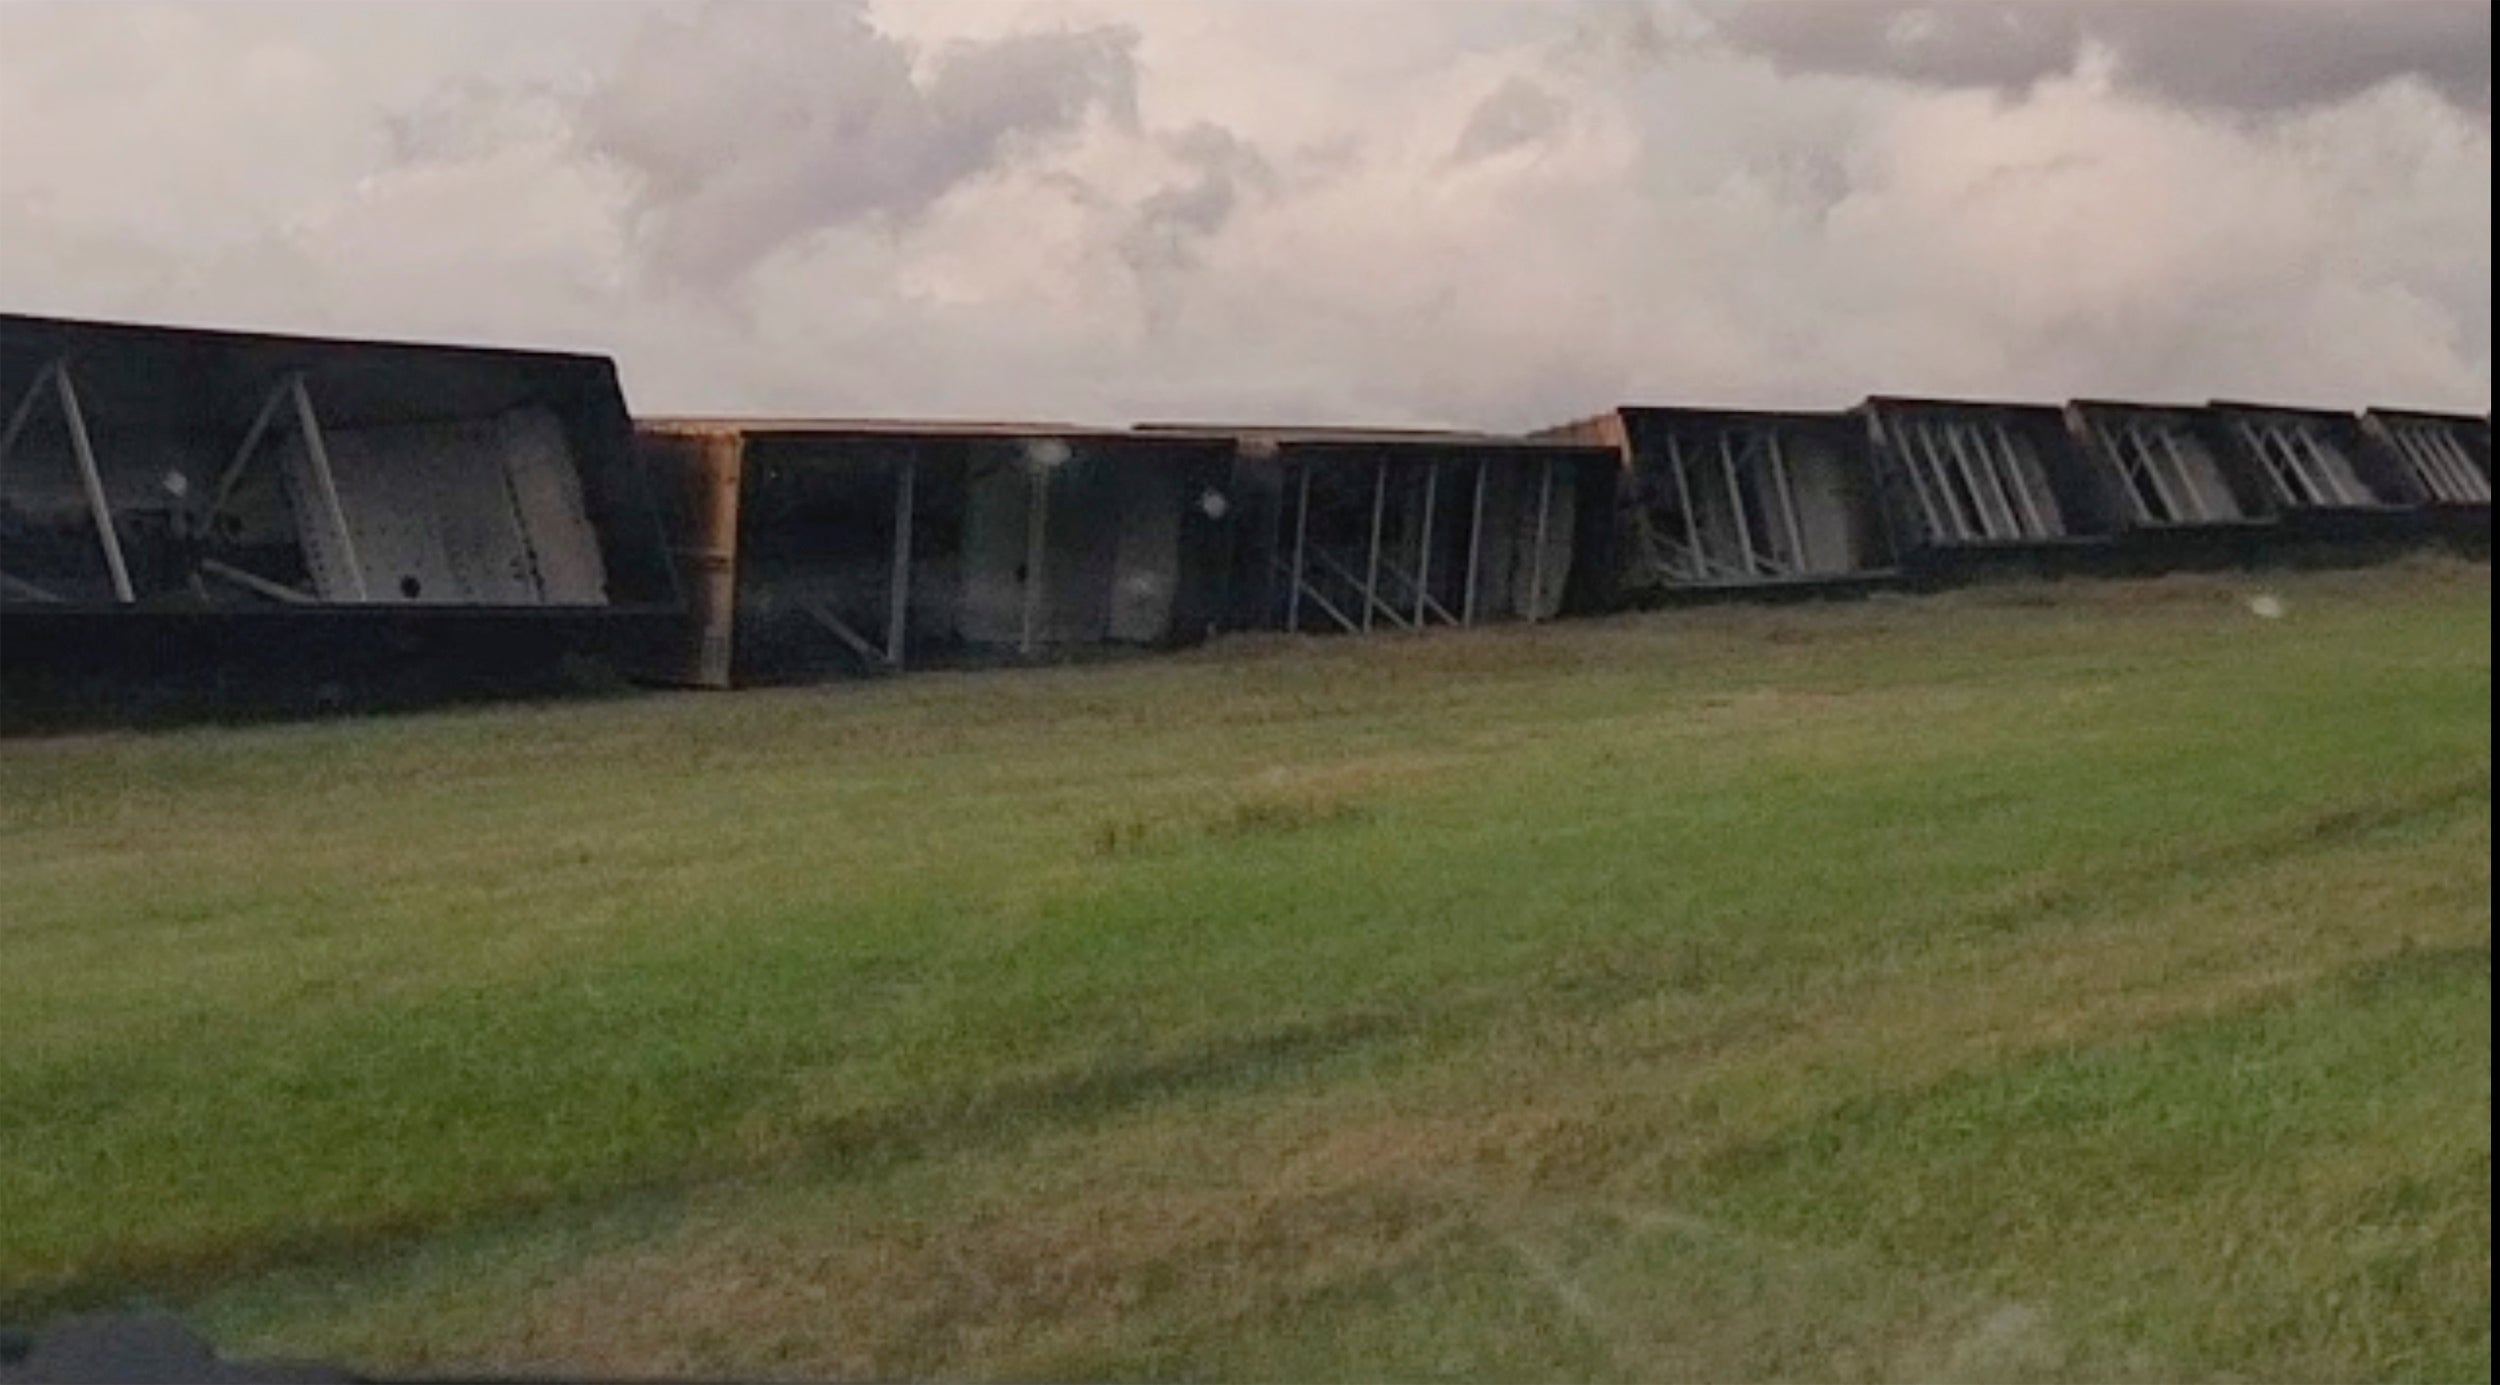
(55, 373)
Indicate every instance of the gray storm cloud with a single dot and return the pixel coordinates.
(2256, 56)
(1519, 114)
(745, 127)
(1172, 223)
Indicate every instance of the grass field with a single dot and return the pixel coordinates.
(2087, 981)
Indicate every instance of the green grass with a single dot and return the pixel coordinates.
(2086, 981)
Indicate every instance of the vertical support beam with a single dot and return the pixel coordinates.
(1736, 504)
(2330, 479)
(2417, 459)
(2330, 476)
(2189, 503)
(2477, 486)
(2461, 467)
(2022, 504)
(25, 408)
(2458, 485)
(2255, 442)
(1544, 508)
(2322, 482)
(1275, 550)
(1036, 537)
(1371, 572)
(1301, 541)
(1423, 544)
(1785, 487)
(2020, 480)
(2313, 480)
(1943, 511)
(1921, 483)
(2446, 468)
(242, 455)
(1475, 543)
(318, 454)
(2419, 453)
(2278, 486)
(1684, 497)
(1994, 523)
(2126, 451)
(2436, 461)
(1948, 450)
(2147, 497)
(898, 586)
(1939, 470)
(2294, 446)
(92, 480)
(712, 551)
(2474, 486)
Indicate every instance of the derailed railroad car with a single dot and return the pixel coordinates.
(2324, 473)
(1742, 503)
(2186, 496)
(2449, 457)
(180, 504)
(1356, 530)
(824, 547)
(1970, 485)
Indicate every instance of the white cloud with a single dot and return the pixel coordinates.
(742, 127)
(1399, 210)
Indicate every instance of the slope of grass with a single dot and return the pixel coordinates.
(2086, 981)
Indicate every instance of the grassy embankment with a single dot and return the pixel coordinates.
(2088, 981)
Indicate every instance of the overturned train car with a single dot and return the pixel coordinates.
(824, 547)
(2326, 475)
(1346, 530)
(1743, 503)
(176, 504)
(2449, 457)
(1972, 486)
(206, 502)
(1756, 505)
(2186, 497)
(829, 547)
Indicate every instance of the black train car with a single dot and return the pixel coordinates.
(190, 508)
(1743, 504)
(828, 547)
(2324, 474)
(1354, 530)
(2187, 498)
(1972, 487)
(2449, 457)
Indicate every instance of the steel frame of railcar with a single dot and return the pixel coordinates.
(1715, 502)
(1353, 530)
(852, 546)
(171, 498)
(1973, 482)
(229, 501)
(2172, 470)
(2328, 476)
(2448, 456)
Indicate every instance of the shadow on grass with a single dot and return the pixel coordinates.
(853, 1143)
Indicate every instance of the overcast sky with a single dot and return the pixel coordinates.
(1472, 212)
